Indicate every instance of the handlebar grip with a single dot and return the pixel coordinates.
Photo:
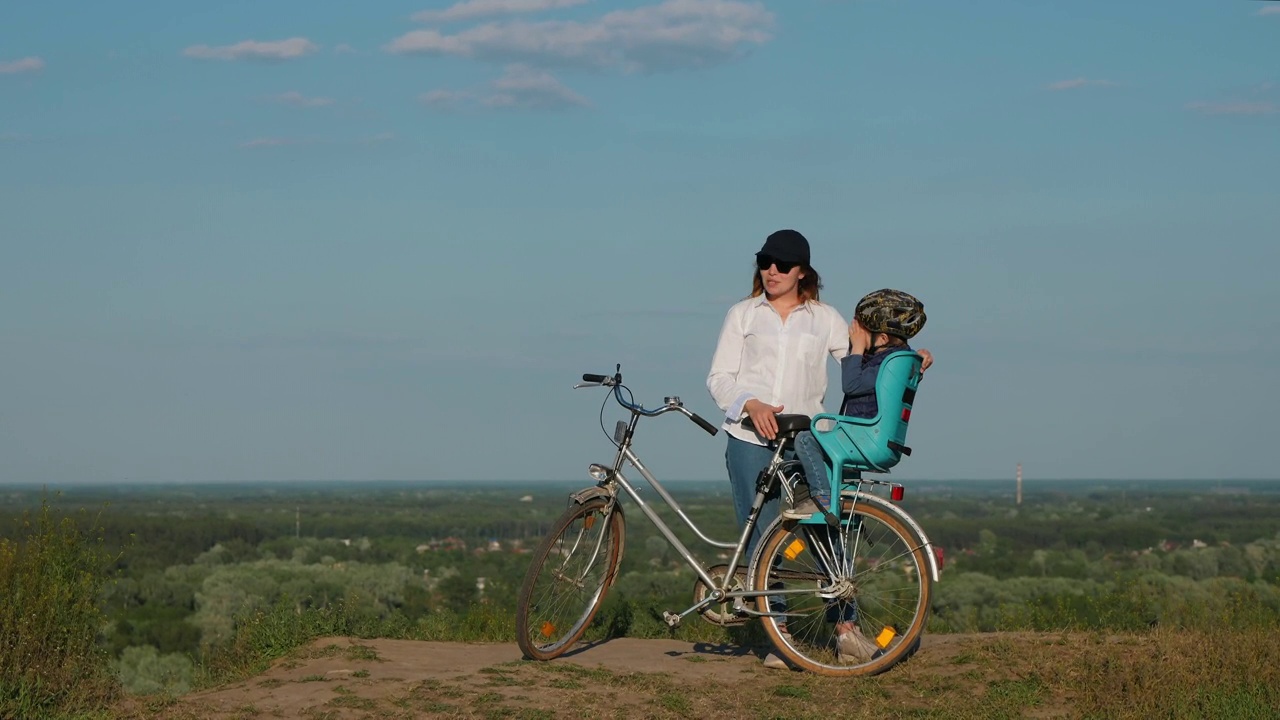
(711, 429)
(588, 377)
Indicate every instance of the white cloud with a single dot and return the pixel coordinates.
(472, 9)
(277, 141)
(297, 99)
(268, 142)
(670, 35)
(520, 86)
(1235, 108)
(1079, 82)
(444, 99)
(274, 50)
(22, 65)
(1269, 10)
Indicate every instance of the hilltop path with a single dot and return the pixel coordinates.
(338, 678)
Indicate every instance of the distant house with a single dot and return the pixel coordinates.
(527, 498)
(447, 544)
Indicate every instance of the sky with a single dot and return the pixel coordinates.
(245, 241)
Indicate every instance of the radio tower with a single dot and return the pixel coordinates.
(1018, 500)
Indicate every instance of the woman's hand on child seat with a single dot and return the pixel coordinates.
(926, 359)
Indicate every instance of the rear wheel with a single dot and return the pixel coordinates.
(568, 577)
(856, 597)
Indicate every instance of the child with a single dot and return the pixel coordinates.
(882, 324)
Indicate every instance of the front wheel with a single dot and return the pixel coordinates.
(855, 597)
(568, 577)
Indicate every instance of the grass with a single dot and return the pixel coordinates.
(791, 691)
(50, 578)
(267, 635)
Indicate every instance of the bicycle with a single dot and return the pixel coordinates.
(870, 562)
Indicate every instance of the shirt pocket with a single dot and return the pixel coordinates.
(810, 350)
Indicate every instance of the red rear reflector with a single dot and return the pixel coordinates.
(906, 414)
(896, 493)
(937, 553)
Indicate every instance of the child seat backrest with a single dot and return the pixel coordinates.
(874, 444)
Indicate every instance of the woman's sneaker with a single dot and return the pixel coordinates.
(773, 660)
(854, 647)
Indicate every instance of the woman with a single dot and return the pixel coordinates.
(771, 358)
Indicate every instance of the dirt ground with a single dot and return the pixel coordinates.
(339, 678)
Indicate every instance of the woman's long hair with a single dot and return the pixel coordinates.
(808, 286)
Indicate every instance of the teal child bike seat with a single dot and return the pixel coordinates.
(877, 443)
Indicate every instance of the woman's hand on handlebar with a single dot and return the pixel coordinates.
(762, 416)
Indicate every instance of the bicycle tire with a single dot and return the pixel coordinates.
(889, 611)
(570, 558)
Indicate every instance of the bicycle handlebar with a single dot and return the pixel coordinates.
(711, 429)
(672, 403)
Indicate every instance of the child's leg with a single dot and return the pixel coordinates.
(815, 468)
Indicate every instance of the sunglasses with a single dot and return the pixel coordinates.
(764, 261)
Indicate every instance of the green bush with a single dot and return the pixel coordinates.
(143, 670)
(263, 635)
(50, 579)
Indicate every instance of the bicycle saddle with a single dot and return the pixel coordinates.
(788, 425)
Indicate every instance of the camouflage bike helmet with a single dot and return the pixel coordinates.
(892, 312)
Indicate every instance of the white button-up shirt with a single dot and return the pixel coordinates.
(759, 356)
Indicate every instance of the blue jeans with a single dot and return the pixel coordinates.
(744, 461)
(815, 468)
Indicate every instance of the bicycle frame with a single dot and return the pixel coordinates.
(612, 477)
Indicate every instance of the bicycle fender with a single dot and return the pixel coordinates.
(888, 507)
(584, 495)
(910, 522)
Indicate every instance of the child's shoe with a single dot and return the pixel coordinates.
(802, 510)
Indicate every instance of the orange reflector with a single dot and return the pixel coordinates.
(588, 521)
(885, 637)
(794, 549)
(548, 629)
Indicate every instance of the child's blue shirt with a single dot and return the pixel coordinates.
(858, 376)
